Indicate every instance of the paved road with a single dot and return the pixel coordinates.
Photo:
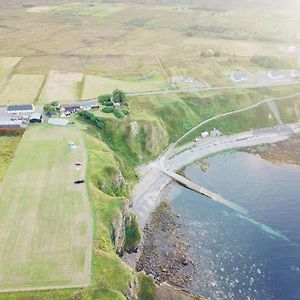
(171, 147)
(192, 90)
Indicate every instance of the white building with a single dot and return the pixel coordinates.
(239, 77)
(57, 121)
(275, 75)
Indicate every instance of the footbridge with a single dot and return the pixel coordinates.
(201, 190)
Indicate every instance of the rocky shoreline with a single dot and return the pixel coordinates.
(165, 253)
(287, 151)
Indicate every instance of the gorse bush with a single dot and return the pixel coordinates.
(108, 110)
(91, 118)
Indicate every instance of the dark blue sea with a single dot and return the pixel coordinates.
(238, 256)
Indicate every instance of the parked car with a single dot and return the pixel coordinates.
(79, 181)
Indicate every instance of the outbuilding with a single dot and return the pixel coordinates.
(20, 109)
(89, 105)
(36, 118)
(275, 75)
(57, 121)
(239, 77)
(204, 134)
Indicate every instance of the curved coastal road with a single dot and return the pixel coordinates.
(149, 190)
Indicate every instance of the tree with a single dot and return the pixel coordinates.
(50, 109)
(119, 96)
(104, 98)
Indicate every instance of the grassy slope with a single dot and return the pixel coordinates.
(163, 119)
(290, 110)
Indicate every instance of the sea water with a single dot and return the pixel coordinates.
(243, 256)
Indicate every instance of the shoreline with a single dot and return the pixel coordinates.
(153, 185)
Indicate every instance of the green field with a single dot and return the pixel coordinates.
(45, 220)
(97, 85)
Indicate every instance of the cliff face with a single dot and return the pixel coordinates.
(118, 229)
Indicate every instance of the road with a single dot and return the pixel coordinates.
(219, 88)
(171, 147)
(154, 178)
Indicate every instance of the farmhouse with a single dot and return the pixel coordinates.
(275, 75)
(89, 105)
(215, 132)
(177, 79)
(69, 109)
(36, 118)
(20, 109)
(239, 77)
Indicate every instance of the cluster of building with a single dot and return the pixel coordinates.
(273, 75)
(204, 134)
(16, 116)
(70, 109)
(181, 79)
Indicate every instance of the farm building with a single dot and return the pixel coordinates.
(215, 132)
(10, 124)
(59, 122)
(276, 75)
(177, 79)
(20, 109)
(239, 77)
(295, 73)
(89, 105)
(69, 109)
(36, 118)
(204, 134)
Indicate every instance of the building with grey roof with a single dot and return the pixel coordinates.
(20, 109)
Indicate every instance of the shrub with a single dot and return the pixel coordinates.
(104, 98)
(118, 113)
(107, 103)
(108, 109)
(91, 118)
(119, 96)
(147, 287)
(132, 234)
(125, 111)
(11, 131)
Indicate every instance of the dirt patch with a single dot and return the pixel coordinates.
(287, 151)
(164, 253)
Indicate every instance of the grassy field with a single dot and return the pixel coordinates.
(160, 38)
(97, 85)
(46, 226)
(6, 68)
(8, 146)
(22, 89)
(63, 87)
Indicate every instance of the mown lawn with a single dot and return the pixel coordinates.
(45, 220)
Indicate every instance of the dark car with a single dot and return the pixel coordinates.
(79, 181)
